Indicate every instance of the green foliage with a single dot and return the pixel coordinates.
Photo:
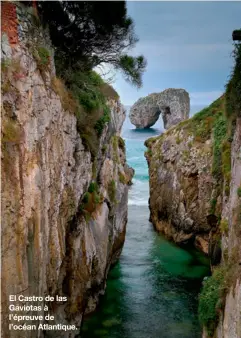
(112, 191)
(42, 58)
(233, 88)
(213, 204)
(185, 154)
(178, 140)
(88, 34)
(44, 55)
(90, 141)
(11, 132)
(115, 142)
(224, 226)
(105, 118)
(86, 198)
(121, 143)
(226, 164)
(11, 70)
(148, 152)
(93, 187)
(219, 134)
(82, 94)
(67, 100)
(104, 148)
(190, 144)
(239, 191)
(132, 68)
(91, 200)
(122, 178)
(211, 300)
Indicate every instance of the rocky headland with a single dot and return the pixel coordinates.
(195, 199)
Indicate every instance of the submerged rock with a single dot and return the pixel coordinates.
(172, 104)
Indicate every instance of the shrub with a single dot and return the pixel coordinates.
(104, 148)
(92, 111)
(91, 200)
(114, 141)
(112, 191)
(93, 187)
(11, 132)
(108, 91)
(67, 100)
(219, 134)
(185, 154)
(239, 191)
(226, 164)
(233, 88)
(211, 300)
(178, 140)
(213, 204)
(224, 226)
(42, 58)
(105, 118)
(122, 178)
(148, 152)
(91, 142)
(121, 143)
(11, 70)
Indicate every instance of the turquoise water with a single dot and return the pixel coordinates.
(152, 291)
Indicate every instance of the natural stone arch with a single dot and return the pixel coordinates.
(172, 104)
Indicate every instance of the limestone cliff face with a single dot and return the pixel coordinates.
(229, 324)
(49, 245)
(180, 186)
(195, 197)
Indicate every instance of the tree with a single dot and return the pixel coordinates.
(87, 34)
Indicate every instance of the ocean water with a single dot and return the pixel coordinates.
(152, 291)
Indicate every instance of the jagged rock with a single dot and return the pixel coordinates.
(173, 104)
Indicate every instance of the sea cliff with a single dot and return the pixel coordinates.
(64, 200)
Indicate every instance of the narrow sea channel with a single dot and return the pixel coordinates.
(152, 291)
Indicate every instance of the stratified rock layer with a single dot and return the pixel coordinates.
(172, 104)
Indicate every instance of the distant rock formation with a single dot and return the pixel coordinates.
(173, 104)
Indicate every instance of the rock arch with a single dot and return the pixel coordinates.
(173, 104)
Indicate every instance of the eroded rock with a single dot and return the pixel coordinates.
(172, 104)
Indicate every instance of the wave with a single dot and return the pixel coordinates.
(141, 178)
(137, 202)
